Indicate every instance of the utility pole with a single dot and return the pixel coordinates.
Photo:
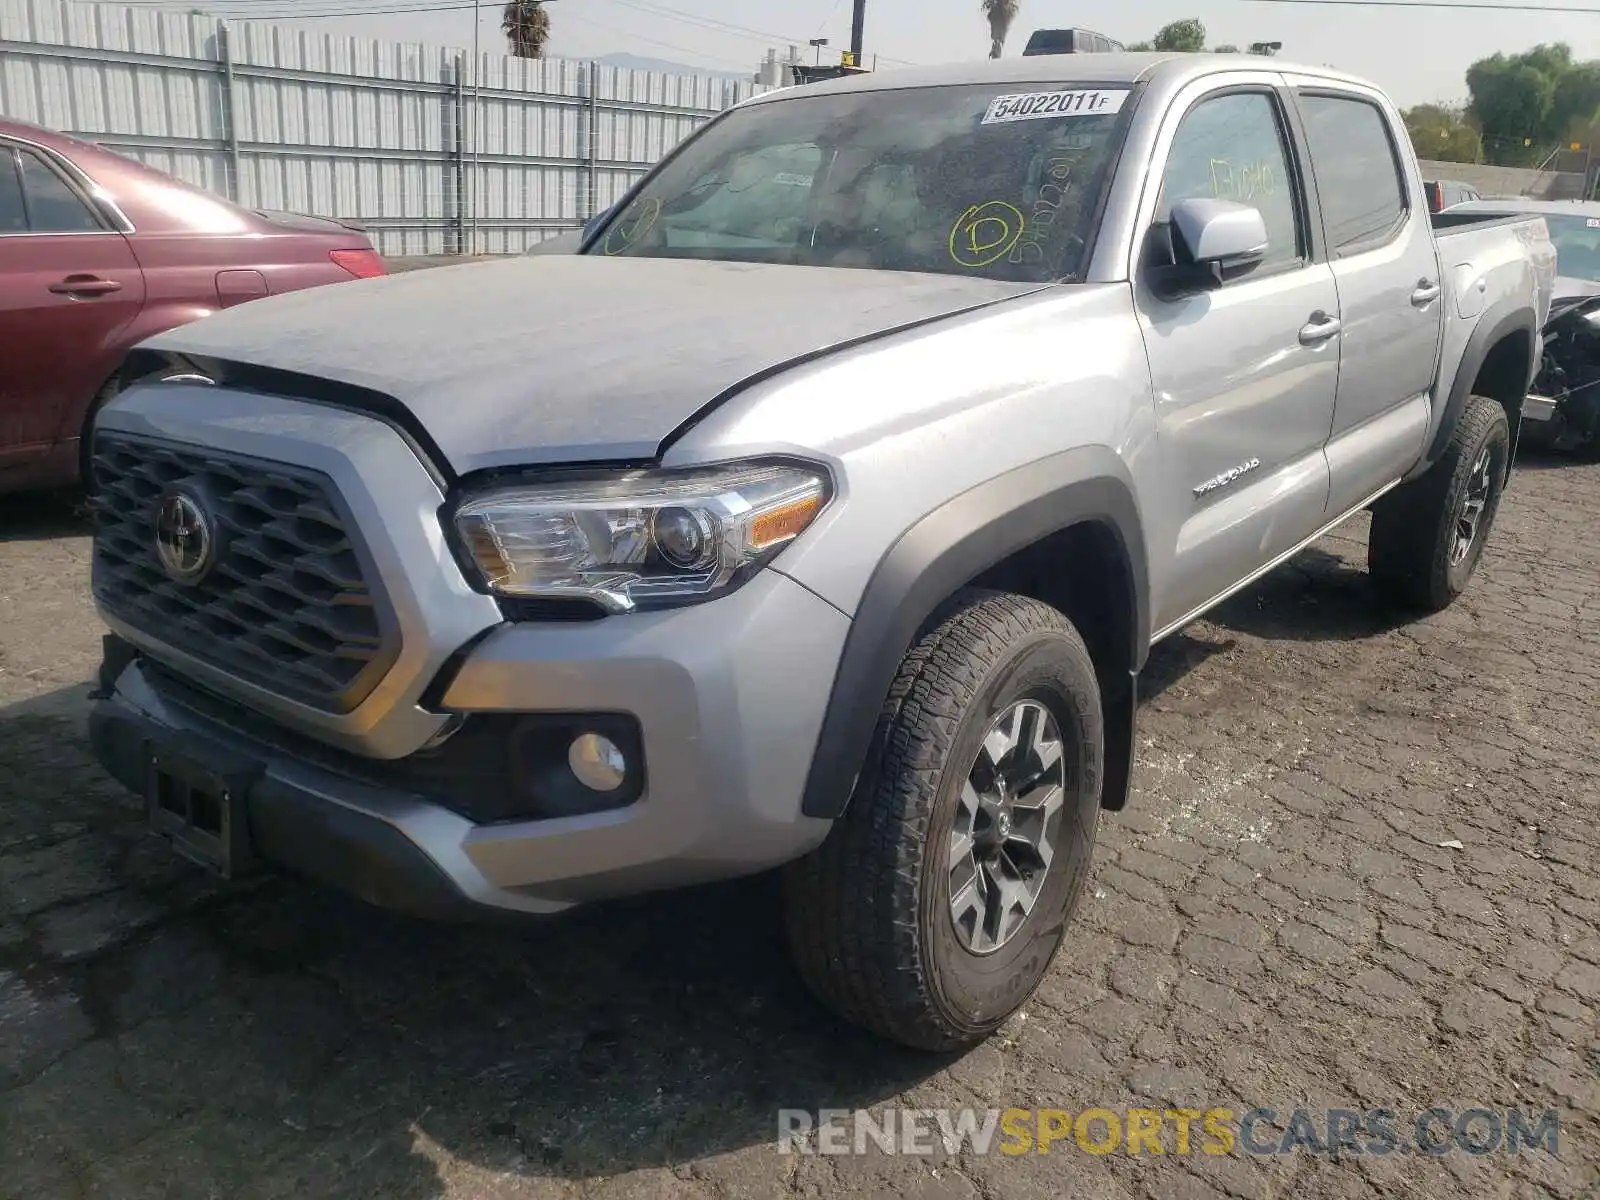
(477, 101)
(858, 26)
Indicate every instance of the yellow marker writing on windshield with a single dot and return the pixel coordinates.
(985, 233)
(632, 227)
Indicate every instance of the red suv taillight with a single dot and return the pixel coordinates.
(363, 264)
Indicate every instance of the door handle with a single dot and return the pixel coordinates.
(85, 285)
(1427, 292)
(1318, 329)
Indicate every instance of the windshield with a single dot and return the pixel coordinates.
(1577, 242)
(996, 181)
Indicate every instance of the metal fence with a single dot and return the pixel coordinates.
(432, 156)
(1494, 182)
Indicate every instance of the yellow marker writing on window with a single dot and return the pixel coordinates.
(985, 233)
(632, 226)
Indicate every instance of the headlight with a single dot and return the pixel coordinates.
(640, 538)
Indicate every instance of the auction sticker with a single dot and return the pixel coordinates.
(1031, 106)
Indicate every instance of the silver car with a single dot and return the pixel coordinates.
(818, 513)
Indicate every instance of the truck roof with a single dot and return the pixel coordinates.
(1170, 70)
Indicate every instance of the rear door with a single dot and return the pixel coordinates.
(1386, 266)
(68, 285)
(1244, 375)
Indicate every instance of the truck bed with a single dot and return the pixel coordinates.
(1451, 220)
(1486, 258)
(1489, 253)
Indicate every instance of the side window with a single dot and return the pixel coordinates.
(1232, 148)
(1357, 170)
(53, 207)
(13, 216)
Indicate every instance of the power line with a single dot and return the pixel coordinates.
(357, 8)
(676, 14)
(827, 20)
(766, 35)
(272, 10)
(230, 8)
(1479, 5)
(573, 16)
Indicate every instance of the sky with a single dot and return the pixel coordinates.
(1417, 55)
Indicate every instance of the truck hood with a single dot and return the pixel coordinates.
(571, 358)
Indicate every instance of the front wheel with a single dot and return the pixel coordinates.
(1428, 535)
(940, 897)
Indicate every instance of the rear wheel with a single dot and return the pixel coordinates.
(940, 897)
(1428, 535)
(104, 396)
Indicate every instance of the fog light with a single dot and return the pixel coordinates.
(598, 762)
(574, 764)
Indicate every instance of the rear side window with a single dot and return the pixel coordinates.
(1357, 170)
(13, 216)
(53, 207)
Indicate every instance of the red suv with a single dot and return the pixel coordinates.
(98, 252)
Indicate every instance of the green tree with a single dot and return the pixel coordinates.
(1529, 104)
(1187, 36)
(1000, 15)
(526, 26)
(1443, 134)
(1576, 103)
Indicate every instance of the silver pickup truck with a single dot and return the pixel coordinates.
(819, 512)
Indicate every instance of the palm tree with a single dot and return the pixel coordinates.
(527, 27)
(1000, 13)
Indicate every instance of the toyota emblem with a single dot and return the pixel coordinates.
(186, 541)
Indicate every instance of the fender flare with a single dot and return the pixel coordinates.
(942, 552)
(1498, 322)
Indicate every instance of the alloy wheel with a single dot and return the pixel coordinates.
(1470, 520)
(1007, 820)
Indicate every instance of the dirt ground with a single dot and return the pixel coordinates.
(1360, 871)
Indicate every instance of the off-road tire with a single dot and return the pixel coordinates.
(868, 912)
(1414, 526)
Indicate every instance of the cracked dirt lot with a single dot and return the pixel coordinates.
(1360, 871)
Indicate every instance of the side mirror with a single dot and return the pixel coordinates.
(1212, 241)
(594, 222)
(563, 243)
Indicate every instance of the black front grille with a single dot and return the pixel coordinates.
(289, 604)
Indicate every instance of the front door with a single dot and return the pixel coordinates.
(68, 285)
(1244, 375)
(1386, 264)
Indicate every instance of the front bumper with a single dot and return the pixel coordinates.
(294, 825)
(729, 698)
